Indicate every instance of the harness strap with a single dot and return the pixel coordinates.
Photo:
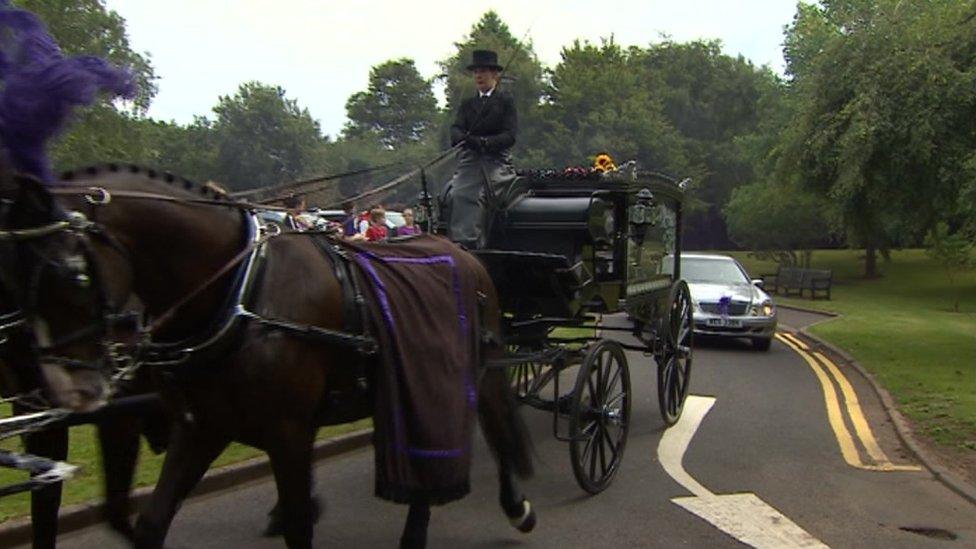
(364, 344)
(234, 262)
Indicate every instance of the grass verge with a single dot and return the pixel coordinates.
(901, 327)
(87, 484)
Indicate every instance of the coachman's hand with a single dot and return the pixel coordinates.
(474, 142)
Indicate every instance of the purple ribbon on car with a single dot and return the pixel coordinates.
(723, 305)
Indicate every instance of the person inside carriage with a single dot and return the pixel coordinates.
(298, 218)
(486, 126)
(377, 229)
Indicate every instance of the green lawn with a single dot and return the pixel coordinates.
(901, 327)
(87, 484)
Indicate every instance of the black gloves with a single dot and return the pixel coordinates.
(476, 143)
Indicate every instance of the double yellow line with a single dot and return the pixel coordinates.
(821, 365)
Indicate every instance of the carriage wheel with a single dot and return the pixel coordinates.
(599, 416)
(674, 359)
(525, 377)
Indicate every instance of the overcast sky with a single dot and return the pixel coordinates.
(321, 51)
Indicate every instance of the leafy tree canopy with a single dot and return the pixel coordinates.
(398, 107)
(884, 113)
(262, 138)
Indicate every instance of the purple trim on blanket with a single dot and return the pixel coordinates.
(363, 258)
(435, 454)
(432, 260)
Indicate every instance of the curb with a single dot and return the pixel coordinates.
(902, 427)
(83, 515)
(808, 310)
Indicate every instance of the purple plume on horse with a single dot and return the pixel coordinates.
(39, 86)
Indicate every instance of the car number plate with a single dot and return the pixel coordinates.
(725, 322)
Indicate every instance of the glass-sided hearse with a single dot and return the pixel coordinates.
(567, 250)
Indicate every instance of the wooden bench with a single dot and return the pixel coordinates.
(794, 280)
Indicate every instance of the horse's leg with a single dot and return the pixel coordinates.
(191, 451)
(415, 530)
(506, 435)
(45, 502)
(119, 441)
(291, 461)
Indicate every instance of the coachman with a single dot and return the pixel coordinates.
(486, 126)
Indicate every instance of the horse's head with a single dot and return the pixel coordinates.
(47, 272)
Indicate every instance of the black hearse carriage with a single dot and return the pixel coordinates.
(567, 248)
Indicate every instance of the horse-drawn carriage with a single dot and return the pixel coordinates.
(570, 247)
(564, 251)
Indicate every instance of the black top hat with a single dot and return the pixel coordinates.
(484, 58)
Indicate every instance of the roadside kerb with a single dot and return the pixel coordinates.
(902, 426)
(83, 515)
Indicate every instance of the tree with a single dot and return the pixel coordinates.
(523, 75)
(262, 138)
(398, 107)
(777, 221)
(885, 111)
(598, 101)
(953, 251)
(713, 100)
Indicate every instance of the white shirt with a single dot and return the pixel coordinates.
(485, 94)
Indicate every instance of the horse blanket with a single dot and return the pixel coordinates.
(424, 308)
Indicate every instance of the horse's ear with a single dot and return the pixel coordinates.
(35, 196)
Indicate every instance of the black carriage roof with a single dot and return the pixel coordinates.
(579, 183)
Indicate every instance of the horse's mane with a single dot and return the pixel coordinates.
(166, 181)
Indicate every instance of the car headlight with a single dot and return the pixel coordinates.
(765, 309)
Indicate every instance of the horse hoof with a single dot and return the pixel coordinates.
(413, 543)
(276, 523)
(526, 521)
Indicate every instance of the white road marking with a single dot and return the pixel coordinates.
(744, 516)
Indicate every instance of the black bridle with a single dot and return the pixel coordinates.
(80, 271)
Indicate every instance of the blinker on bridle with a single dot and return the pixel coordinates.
(76, 269)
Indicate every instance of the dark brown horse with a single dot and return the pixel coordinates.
(22, 373)
(262, 388)
(118, 438)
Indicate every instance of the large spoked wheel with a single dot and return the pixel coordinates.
(526, 377)
(599, 416)
(674, 359)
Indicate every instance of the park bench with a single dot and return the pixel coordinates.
(794, 280)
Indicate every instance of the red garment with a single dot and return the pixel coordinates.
(376, 232)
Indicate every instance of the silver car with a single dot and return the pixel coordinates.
(727, 303)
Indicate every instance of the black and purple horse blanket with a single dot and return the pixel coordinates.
(425, 308)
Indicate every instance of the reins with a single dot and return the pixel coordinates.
(234, 262)
(99, 196)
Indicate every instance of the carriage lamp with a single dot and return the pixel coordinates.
(422, 212)
(642, 212)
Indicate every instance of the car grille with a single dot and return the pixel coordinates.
(736, 308)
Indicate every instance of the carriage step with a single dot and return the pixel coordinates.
(563, 404)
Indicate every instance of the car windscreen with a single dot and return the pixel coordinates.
(708, 271)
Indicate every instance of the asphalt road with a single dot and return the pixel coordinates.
(767, 433)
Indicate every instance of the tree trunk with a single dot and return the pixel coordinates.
(870, 261)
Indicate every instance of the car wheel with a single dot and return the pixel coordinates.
(762, 343)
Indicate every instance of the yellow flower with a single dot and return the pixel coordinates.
(604, 163)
